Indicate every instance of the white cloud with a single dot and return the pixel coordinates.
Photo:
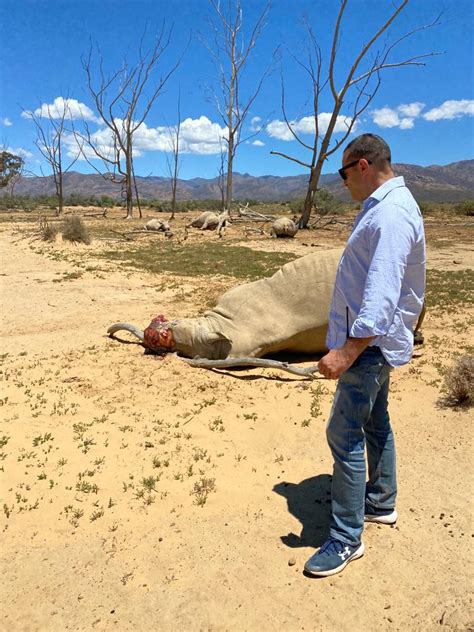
(258, 143)
(451, 110)
(386, 117)
(256, 123)
(70, 108)
(6, 121)
(407, 123)
(279, 129)
(403, 116)
(197, 136)
(19, 151)
(411, 110)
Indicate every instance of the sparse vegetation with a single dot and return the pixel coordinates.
(75, 230)
(48, 231)
(202, 259)
(447, 290)
(459, 382)
(202, 488)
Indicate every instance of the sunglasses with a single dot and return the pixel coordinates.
(342, 170)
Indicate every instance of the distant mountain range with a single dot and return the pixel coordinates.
(449, 183)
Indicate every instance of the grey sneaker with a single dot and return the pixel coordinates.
(380, 516)
(333, 557)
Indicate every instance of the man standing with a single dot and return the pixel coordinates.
(378, 296)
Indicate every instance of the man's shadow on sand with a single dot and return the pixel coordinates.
(310, 502)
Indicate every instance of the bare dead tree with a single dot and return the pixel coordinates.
(361, 81)
(221, 174)
(51, 130)
(231, 54)
(123, 106)
(173, 158)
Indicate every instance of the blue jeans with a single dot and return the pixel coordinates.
(359, 418)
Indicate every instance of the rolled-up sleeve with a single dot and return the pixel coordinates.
(389, 242)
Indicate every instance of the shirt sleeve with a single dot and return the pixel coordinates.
(389, 239)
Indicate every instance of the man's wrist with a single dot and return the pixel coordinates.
(353, 347)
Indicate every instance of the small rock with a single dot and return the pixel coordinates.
(457, 261)
(292, 561)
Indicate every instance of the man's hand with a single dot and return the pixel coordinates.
(336, 361)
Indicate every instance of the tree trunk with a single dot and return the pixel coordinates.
(307, 208)
(60, 194)
(173, 198)
(314, 181)
(137, 196)
(128, 178)
(230, 166)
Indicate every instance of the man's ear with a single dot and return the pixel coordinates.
(363, 164)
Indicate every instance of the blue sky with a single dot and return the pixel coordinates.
(424, 112)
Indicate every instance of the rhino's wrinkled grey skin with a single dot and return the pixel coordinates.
(206, 221)
(210, 221)
(158, 225)
(285, 312)
(284, 227)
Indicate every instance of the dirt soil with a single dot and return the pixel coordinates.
(138, 493)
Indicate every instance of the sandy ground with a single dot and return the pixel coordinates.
(138, 493)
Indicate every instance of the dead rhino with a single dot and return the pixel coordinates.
(211, 221)
(284, 227)
(206, 221)
(285, 312)
(158, 225)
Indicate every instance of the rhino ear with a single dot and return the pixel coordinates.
(216, 336)
(218, 345)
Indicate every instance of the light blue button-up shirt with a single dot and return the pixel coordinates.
(380, 282)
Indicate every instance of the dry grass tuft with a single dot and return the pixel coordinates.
(459, 382)
(75, 230)
(48, 231)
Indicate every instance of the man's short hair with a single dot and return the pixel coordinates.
(369, 146)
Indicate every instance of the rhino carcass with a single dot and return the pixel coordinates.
(285, 312)
(206, 221)
(158, 225)
(211, 221)
(284, 227)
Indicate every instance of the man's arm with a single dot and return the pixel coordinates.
(336, 361)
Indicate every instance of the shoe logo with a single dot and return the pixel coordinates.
(345, 553)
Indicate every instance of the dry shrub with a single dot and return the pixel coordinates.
(459, 382)
(48, 231)
(75, 230)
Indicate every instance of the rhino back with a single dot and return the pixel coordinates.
(287, 311)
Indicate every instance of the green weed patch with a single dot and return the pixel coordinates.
(448, 290)
(200, 259)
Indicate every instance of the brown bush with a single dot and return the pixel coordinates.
(75, 230)
(459, 382)
(48, 231)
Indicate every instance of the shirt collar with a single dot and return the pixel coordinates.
(385, 188)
